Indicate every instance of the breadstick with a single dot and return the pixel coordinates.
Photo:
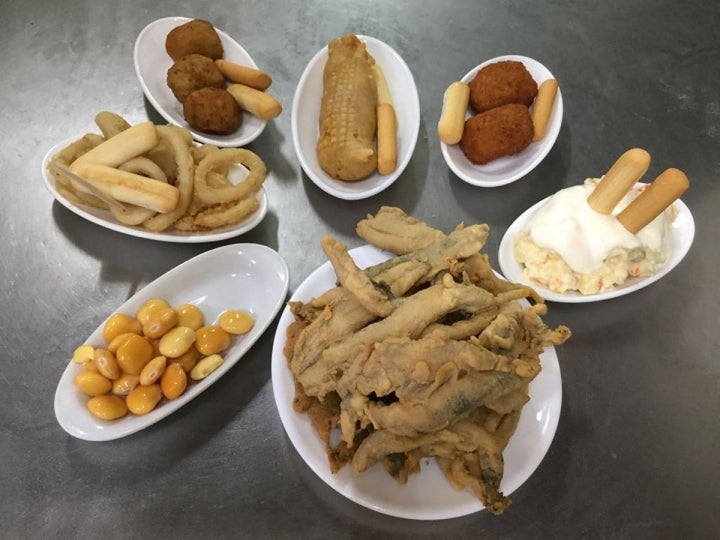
(654, 200)
(627, 170)
(543, 107)
(452, 118)
(262, 105)
(386, 126)
(129, 187)
(124, 146)
(246, 75)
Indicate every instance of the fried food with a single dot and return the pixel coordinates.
(345, 148)
(428, 354)
(163, 181)
(212, 110)
(498, 132)
(197, 36)
(261, 104)
(246, 75)
(193, 72)
(501, 83)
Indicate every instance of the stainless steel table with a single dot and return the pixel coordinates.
(636, 453)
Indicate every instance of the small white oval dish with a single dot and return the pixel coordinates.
(250, 277)
(152, 63)
(427, 495)
(682, 232)
(507, 169)
(306, 115)
(104, 218)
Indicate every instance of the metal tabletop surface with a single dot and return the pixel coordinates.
(636, 452)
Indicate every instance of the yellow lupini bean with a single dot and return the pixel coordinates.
(83, 354)
(125, 384)
(153, 370)
(206, 366)
(143, 399)
(177, 341)
(114, 345)
(120, 323)
(106, 364)
(107, 407)
(148, 310)
(211, 339)
(173, 381)
(161, 322)
(92, 383)
(235, 321)
(187, 360)
(134, 354)
(191, 316)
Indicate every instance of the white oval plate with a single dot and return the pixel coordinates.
(238, 276)
(104, 218)
(152, 63)
(427, 495)
(306, 116)
(507, 169)
(682, 232)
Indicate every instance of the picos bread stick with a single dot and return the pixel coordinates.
(246, 75)
(261, 104)
(622, 176)
(542, 109)
(386, 126)
(124, 146)
(654, 199)
(452, 117)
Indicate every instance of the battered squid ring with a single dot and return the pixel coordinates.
(251, 184)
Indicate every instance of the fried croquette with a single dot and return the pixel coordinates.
(212, 110)
(193, 72)
(501, 131)
(194, 37)
(501, 83)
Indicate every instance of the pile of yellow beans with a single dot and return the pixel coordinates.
(154, 355)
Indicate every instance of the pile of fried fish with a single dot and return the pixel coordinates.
(428, 354)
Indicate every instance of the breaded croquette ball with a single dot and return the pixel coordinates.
(212, 110)
(501, 131)
(501, 83)
(193, 72)
(194, 37)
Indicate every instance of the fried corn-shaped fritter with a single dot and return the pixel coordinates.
(345, 149)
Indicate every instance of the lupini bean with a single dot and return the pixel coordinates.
(206, 366)
(120, 323)
(106, 364)
(148, 310)
(191, 316)
(143, 399)
(160, 323)
(134, 354)
(107, 407)
(92, 383)
(211, 340)
(173, 381)
(153, 370)
(235, 321)
(177, 341)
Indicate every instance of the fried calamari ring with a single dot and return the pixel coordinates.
(251, 184)
(227, 214)
(110, 123)
(177, 139)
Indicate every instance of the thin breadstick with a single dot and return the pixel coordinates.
(246, 75)
(452, 117)
(386, 126)
(627, 170)
(654, 200)
(543, 107)
(124, 146)
(261, 104)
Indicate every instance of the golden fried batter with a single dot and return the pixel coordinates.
(212, 110)
(501, 131)
(501, 83)
(194, 37)
(193, 72)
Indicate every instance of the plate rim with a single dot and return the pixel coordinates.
(551, 376)
(179, 237)
(225, 141)
(548, 142)
(328, 184)
(511, 269)
(117, 431)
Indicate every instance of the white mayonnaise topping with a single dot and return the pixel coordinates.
(584, 238)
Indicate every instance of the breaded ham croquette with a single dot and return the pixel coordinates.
(193, 72)
(212, 110)
(194, 37)
(501, 131)
(501, 83)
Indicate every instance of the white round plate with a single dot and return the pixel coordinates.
(306, 116)
(507, 169)
(152, 63)
(251, 277)
(104, 218)
(682, 232)
(427, 495)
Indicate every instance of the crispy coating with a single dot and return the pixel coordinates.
(193, 72)
(194, 37)
(212, 110)
(501, 83)
(501, 131)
